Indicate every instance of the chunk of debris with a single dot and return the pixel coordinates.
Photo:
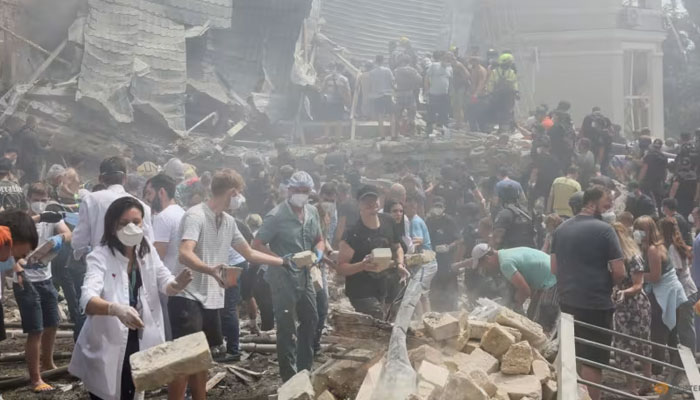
(297, 388)
(160, 365)
(484, 361)
(326, 396)
(532, 331)
(541, 370)
(477, 329)
(549, 390)
(441, 326)
(382, 258)
(370, 381)
(433, 374)
(497, 341)
(425, 353)
(471, 345)
(304, 259)
(518, 359)
(482, 379)
(518, 386)
(461, 386)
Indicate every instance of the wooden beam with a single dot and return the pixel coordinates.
(567, 377)
(17, 92)
(34, 45)
(215, 380)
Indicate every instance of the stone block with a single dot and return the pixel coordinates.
(417, 259)
(518, 386)
(425, 353)
(517, 335)
(518, 359)
(343, 376)
(541, 370)
(382, 258)
(482, 379)
(484, 361)
(497, 341)
(500, 395)
(326, 396)
(370, 381)
(478, 328)
(549, 390)
(456, 343)
(458, 362)
(461, 386)
(304, 259)
(532, 331)
(441, 326)
(471, 345)
(426, 390)
(160, 365)
(433, 374)
(297, 388)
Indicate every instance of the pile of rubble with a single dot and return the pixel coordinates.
(455, 358)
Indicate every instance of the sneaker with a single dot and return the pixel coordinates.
(228, 357)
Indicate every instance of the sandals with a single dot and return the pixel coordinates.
(43, 388)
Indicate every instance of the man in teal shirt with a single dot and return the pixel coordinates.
(529, 272)
(292, 227)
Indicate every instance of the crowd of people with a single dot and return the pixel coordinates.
(456, 90)
(141, 256)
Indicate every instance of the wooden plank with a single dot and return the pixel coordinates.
(33, 45)
(17, 382)
(17, 92)
(567, 378)
(243, 377)
(691, 369)
(246, 371)
(215, 380)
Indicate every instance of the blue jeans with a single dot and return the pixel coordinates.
(229, 316)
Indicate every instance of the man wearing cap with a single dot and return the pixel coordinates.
(363, 285)
(529, 272)
(91, 217)
(292, 227)
(11, 194)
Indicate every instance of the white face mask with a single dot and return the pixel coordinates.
(298, 199)
(691, 219)
(236, 202)
(639, 236)
(38, 207)
(130, 235)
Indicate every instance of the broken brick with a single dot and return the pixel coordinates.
(433, 374)
(541, 370)
(484, 361)
(425, 353)
(549, 390)
(304, 259)
(518, 386)
(482, 379)
(461, 386)
(517, 360)
(531, 331)
(441, 326)
(497, 341)
(297, 387)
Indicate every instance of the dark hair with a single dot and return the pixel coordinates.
(671, 204)
(329, 188)
(98, 187)
(162, 181)
(572, 170)
(225, 180)
(509, 195)
(112, 216)
(503, 171)
(633, 185)
(389, 204)
(685, 136)
(37, 188)
(22, 227)
(593, 194)
(113, 171)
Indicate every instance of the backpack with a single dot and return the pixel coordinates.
(522, 232)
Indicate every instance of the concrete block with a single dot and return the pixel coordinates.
(461, 386)
(382, 257)
(326, 396)
(297, 388)
(343, 376)
(482, 379)
(541, 370)
(497, 341)
(304, 259)
(484, 361)
(500, 395)
(477, 329)
(549, 390)
(532, 331)
(458, 362)
(517, 335)
(518, 386)
(441, 326)
(426, 390)
(433, 374)
(425, 353)
(471, 345)
(160, 365)
(518, 359)
(456, 343)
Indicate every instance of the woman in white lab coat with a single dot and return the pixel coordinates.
(120, 298)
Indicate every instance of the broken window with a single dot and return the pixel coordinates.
(637, 89)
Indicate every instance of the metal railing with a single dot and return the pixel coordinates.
(567, 360)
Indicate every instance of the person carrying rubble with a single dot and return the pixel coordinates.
(364, 285)
(502, 88)
(529, 272)
(293, 227)
(207, 232)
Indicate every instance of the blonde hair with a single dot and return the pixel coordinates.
(646, 223)
(629, 247)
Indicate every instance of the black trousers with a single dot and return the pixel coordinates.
(128, 390)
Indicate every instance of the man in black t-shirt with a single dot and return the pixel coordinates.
(545, 170)
(587, 261)
(444, 237)
(364, 286)
(684, 185)
(638, 203)
(513, 226)
(653, 173)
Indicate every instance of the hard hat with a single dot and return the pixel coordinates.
(147, 169)
(190, 171)
(506, 59)
(403, 40)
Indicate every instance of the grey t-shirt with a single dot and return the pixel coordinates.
(381, 82)
(439, 76)
(213, 241)
(584, 246)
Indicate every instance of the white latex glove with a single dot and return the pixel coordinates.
(126, 314)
